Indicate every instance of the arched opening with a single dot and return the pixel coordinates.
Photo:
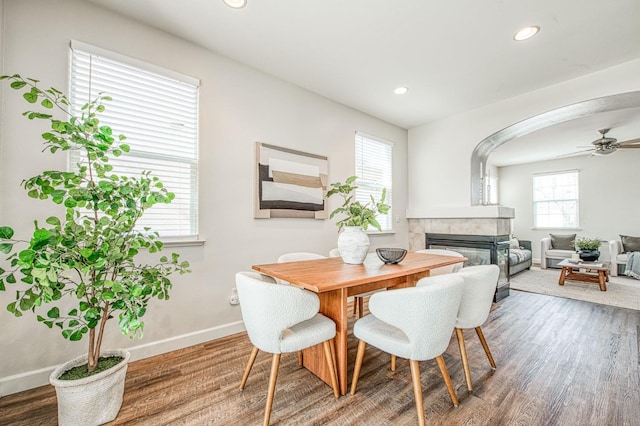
(581, 109)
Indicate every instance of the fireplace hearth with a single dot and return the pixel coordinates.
(479, 250)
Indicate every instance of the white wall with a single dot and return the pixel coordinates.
(239, 105)
(609, 205)
(440, 152)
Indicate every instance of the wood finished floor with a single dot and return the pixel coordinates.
(560, 362)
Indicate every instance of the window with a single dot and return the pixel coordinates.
(555, 200)
(157, 110)
(374, 171)
(492, 189)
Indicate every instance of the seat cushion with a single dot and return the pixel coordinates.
(559, 254)
(307, 333)
(383, 336)
(622, 258)
(630, 244)
(562, 242)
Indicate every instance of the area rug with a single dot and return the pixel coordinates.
(621, 291)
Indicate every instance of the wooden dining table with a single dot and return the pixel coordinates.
(334, 281)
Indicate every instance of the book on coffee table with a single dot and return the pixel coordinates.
(585, 264)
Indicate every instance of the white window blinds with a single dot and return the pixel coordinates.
(374, 160)
(157, 110)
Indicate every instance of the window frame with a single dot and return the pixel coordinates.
(560, 210)
(386, 221)
(180, 174)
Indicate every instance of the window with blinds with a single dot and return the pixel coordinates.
(157, 110)
(374, 168)
(555, 200)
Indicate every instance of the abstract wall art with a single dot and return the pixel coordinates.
(290, 183)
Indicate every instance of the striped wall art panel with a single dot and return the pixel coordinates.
(290, 183)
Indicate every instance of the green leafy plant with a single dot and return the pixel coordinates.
(586, 243)
(356, 213)
(89, 253)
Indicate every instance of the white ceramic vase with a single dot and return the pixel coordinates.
(94, 400)
(353, 244)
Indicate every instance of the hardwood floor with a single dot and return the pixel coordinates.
(560, 362)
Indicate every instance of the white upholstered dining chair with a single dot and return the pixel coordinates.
(334, 252)
(295, 257)
(300, 255)
(282, 319)
(414, 323)
(443, 269)
(480, 283)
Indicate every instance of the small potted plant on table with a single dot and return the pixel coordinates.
(587, 248)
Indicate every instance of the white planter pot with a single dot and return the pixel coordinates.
(93, 400)
(353, 244)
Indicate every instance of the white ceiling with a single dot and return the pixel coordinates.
(453, 55)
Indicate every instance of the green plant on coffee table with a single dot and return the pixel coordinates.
(89, 253)
(586, 243)
(356, 213)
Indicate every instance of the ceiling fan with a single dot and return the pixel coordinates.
(606, 145)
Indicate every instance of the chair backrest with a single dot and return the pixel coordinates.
(445, 269)
(335, 252)
(295, 257)
(480, 283)
(269, 309)
(425, 314)
(301, 255)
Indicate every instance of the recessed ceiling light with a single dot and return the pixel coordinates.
(236, 4)
(526, 32)
(401, 90)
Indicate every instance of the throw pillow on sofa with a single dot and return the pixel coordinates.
(630, 244)
(514, 243)
(562, 242)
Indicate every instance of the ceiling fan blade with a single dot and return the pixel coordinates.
(629, 142)
(572, 154)
(629, 146)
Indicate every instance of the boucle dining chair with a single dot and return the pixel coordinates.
(414, 323)
(443, 269)
(295, 257)
(300, 255)
(282, 319)
(480, 283)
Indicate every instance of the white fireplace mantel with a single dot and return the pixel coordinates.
(462, 212)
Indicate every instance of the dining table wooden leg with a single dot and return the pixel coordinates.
(333, 304)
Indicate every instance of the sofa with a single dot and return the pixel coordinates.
(519, 256)
(619, 251)
(555, 248)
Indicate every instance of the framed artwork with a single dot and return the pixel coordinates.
(290, 183)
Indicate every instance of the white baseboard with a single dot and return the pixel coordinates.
(35, 378)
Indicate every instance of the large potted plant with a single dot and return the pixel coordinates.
(88, 253)
(588, 248)
(354, 243)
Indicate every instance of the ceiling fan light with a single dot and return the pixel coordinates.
(236, 4)
(604, 151)
(526, 33)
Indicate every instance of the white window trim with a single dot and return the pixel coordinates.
(534, 202)
(183, 239)
(389, 199)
